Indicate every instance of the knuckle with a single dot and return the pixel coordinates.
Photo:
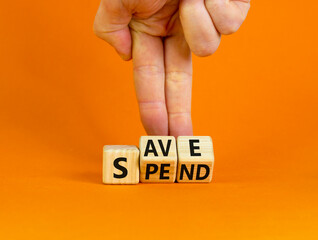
(178, 76)
(97, 30)
(145, 105)
(230, 25)
(227, 16)
(152, 70)
(205, 49)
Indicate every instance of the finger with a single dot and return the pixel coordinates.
(199, 30)
(111, 24)
(228, 15)
(178, 68)
(149, 79)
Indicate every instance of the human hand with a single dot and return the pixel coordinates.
(159, 36)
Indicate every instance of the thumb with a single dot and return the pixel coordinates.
(111, 24)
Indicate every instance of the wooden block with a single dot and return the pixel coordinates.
(120, 164)
(158, 159)
(195, 159)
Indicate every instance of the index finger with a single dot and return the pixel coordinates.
(178, 68)
(149, 77)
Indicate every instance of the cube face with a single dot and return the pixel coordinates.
(158, 159)
(195, 159)
(120, 164)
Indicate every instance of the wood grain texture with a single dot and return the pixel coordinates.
(195, 159)
(158, 159)
(127, 157)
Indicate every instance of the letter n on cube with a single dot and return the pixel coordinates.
(195, 159)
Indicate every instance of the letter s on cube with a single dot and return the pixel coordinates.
(120, 164)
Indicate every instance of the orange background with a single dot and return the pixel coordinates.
(64, 94)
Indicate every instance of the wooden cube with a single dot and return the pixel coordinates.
(158, 159)
(120, 164)
(195, 159)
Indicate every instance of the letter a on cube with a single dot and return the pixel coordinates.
(120, 164)
(195, 159)
(158, 159)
